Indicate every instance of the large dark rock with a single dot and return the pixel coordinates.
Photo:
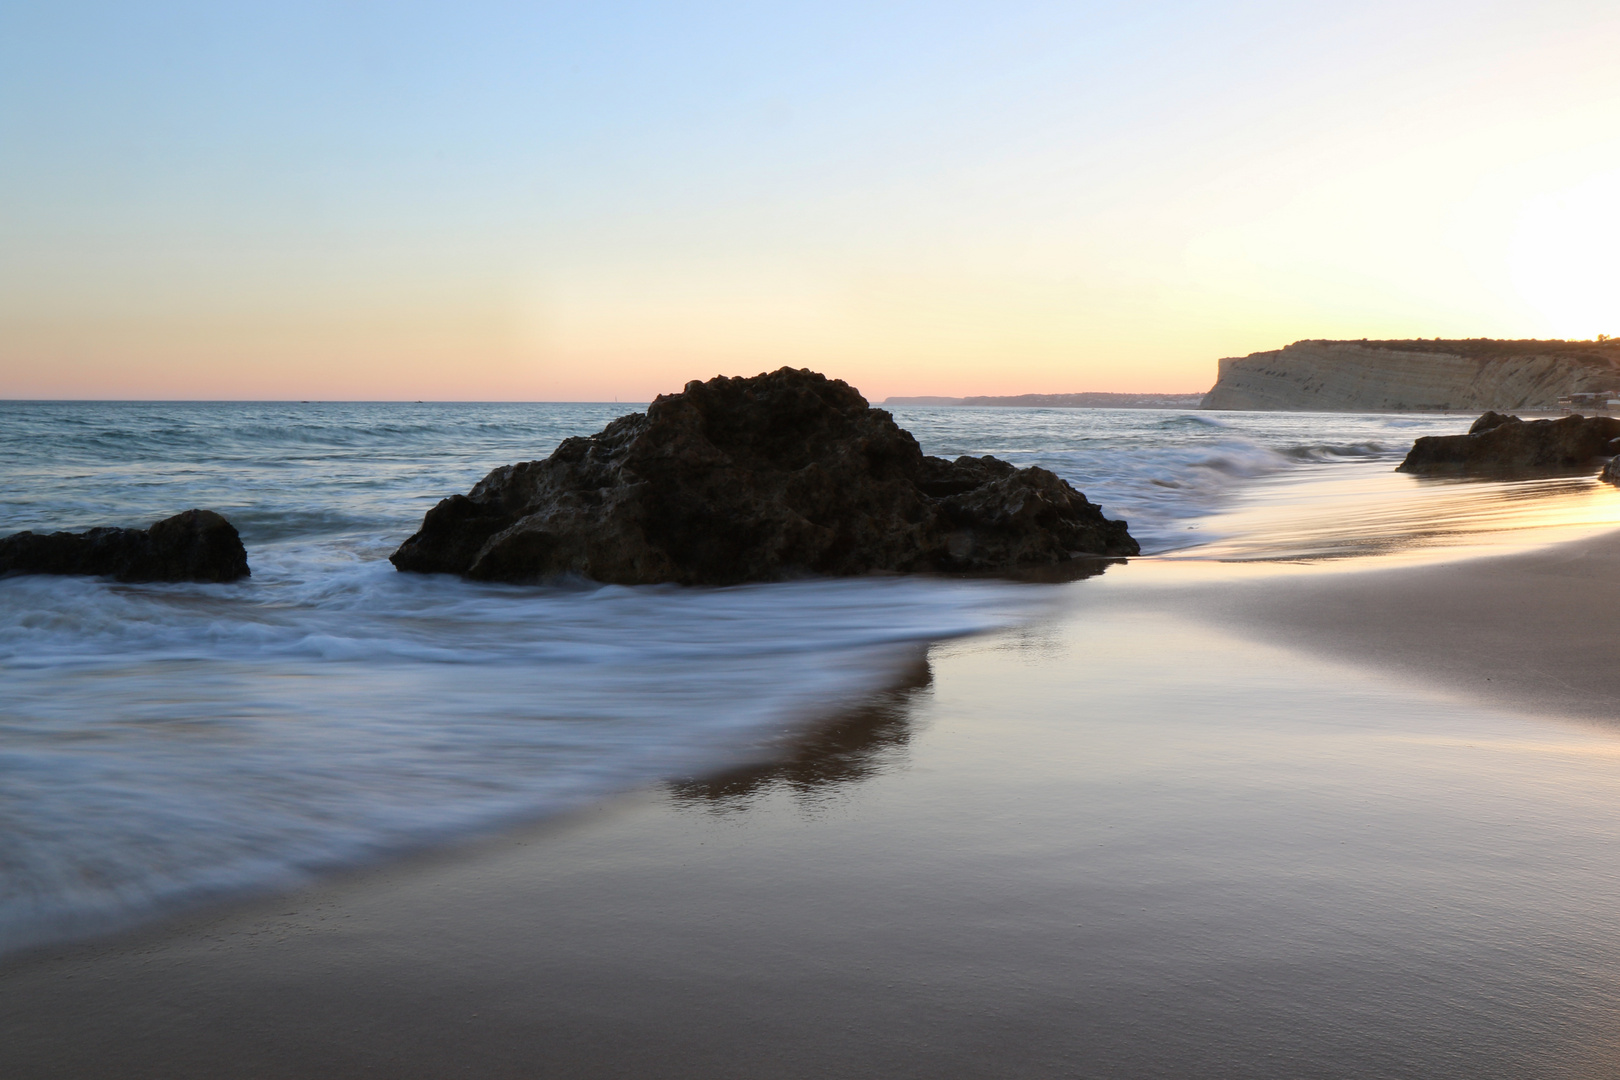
(1505, 445)
(197, 545)
(756, 479)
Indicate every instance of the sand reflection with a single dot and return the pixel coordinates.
(853, 746)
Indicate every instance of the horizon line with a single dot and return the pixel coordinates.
(534, 401)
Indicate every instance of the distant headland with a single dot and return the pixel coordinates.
(1064, 401)
(1418, 375)
(1472, 374)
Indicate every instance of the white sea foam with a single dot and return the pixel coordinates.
(1161, 469)
(166, 743)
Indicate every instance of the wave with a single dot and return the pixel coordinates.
(160, 744)
(1159, 489)
(1194, 421)
(1167, 473)
(170, 743)
(1343, 451)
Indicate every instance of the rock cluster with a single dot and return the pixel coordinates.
(756, 479)
(197, 545)
(1497, 444)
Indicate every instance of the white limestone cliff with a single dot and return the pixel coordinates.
(1400, 376)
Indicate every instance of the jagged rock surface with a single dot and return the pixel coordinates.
(756, 479)
(197, 545)
(1497, 444)
(1422, 376)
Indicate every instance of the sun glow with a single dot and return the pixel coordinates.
(1027, 198)
(1564, 261)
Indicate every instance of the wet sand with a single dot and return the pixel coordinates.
(1209, 821)
(1537, 631)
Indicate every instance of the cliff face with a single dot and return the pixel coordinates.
(1415, 376)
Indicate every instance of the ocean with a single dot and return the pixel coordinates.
(166, 745)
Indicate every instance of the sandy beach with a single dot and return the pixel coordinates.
(800, 541)
(1535, 631)
(1209, 820)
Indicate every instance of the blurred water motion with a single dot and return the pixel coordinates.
(1359, 509)
(170, 742)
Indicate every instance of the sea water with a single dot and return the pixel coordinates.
(163, 744)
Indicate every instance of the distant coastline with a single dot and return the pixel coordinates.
(1064, 401)
(1365, 376)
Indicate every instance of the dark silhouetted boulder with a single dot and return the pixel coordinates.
(756, 479)
(197, 545)
(1499, 445)
(1491, 419)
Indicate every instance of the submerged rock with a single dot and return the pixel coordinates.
(756, 479)
(1498, 444)
(197, 545)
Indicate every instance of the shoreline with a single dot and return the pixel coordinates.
(1140, 838)
(1531, 631)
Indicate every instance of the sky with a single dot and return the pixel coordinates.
(487, 201)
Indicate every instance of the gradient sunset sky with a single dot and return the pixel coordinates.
(588, 202)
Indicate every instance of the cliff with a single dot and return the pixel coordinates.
(1418, 376)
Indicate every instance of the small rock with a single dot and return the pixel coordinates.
(1500, 445)
(1491, 419)
(197, 545)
